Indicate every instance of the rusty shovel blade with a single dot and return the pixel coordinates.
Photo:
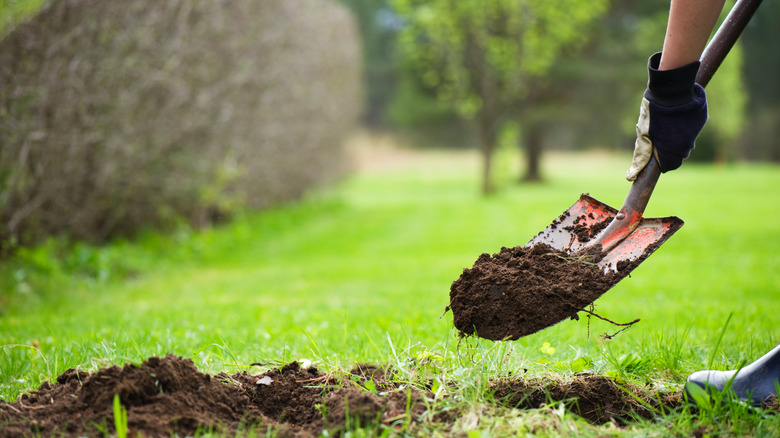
(578, 226)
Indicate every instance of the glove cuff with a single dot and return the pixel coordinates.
(670, 87)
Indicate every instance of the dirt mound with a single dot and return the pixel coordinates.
(596, 398)
(161, 395)
(169, 395)
(520, 291)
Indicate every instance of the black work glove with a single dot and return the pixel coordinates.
(673, 112)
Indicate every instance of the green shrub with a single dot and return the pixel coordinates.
(118, 115)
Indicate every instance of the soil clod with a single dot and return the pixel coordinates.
(519, 291)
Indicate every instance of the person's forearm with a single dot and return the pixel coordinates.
(690, 25)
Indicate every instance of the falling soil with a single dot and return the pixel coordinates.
(520, 291)
(165, 396)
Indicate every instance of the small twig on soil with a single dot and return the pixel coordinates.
(591, 307)
(326, 377)
(31, 406)
(625, 324)
(607, 336)
(396, 418)
(11, 407)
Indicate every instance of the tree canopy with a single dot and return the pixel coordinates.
(485, 56)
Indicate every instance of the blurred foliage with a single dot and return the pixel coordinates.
(761, 43)
(726, 104)
(378, 27)
(117, 116)
(475, 54)
(597, 89)
(487, 58)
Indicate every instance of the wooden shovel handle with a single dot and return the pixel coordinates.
(725, 38)
(638, 196)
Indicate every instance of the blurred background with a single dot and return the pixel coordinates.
(120, 116)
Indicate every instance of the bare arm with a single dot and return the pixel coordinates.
(690, 25)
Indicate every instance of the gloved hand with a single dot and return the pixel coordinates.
(673, 112)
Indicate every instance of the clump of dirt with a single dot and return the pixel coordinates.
(596, 398)
(286, 396)
(520, 291)
(165, 396)
(583, 231)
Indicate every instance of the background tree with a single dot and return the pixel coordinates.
(487, 57)
(726, 104)
(378, 27)
(761, 43)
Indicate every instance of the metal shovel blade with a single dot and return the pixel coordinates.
(581, 223)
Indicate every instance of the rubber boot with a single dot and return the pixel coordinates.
(754, 383)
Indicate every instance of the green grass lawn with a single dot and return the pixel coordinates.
(361, 273)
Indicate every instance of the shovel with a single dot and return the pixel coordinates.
(624, 236)
(506, 296)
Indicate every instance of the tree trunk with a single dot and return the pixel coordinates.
(488, 121)
(533, 136)
(487, 138)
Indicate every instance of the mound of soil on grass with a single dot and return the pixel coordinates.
(596, 398)
(520, 291)
(169, 395)
(165, 396)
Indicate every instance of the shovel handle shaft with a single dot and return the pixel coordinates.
(642, 188)
(725, 38)
(630, 214)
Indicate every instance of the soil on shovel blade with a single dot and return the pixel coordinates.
(168, 396)
(520, 291)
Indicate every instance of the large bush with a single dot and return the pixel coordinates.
(121, 114)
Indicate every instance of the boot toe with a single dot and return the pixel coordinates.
(712, 379)
(745, 386)
(708, 380)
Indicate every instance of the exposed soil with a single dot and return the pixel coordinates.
(596, 398)
(520, 291)
(169, 395)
